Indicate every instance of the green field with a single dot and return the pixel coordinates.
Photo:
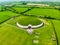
(45, 12)
(56, 24)
(4, 15)
(19, 35)
(20, 9)
(11, 34)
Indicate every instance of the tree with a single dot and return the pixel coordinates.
(24, 3)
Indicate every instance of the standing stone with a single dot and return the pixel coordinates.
(36, 41)
(36, 36)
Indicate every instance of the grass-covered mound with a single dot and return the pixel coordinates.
(25, 20)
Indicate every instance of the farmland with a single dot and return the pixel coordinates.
(11, 34)
(45, 12)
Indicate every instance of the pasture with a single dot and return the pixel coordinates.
(11, 34)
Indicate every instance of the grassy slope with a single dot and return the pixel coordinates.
(45, 12)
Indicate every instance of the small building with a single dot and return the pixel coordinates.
(57, 6)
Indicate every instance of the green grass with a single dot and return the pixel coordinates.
(10, 34)
(3, 17)
(19, 9)
(6, 14)
(25, 20)
(45, 12)
(9, 13)
(57, 25)
(0, 7)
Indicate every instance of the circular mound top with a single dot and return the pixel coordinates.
(26, 20)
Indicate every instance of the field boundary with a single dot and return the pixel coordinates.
(55, 32)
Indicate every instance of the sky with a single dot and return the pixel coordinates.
(30, 0)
